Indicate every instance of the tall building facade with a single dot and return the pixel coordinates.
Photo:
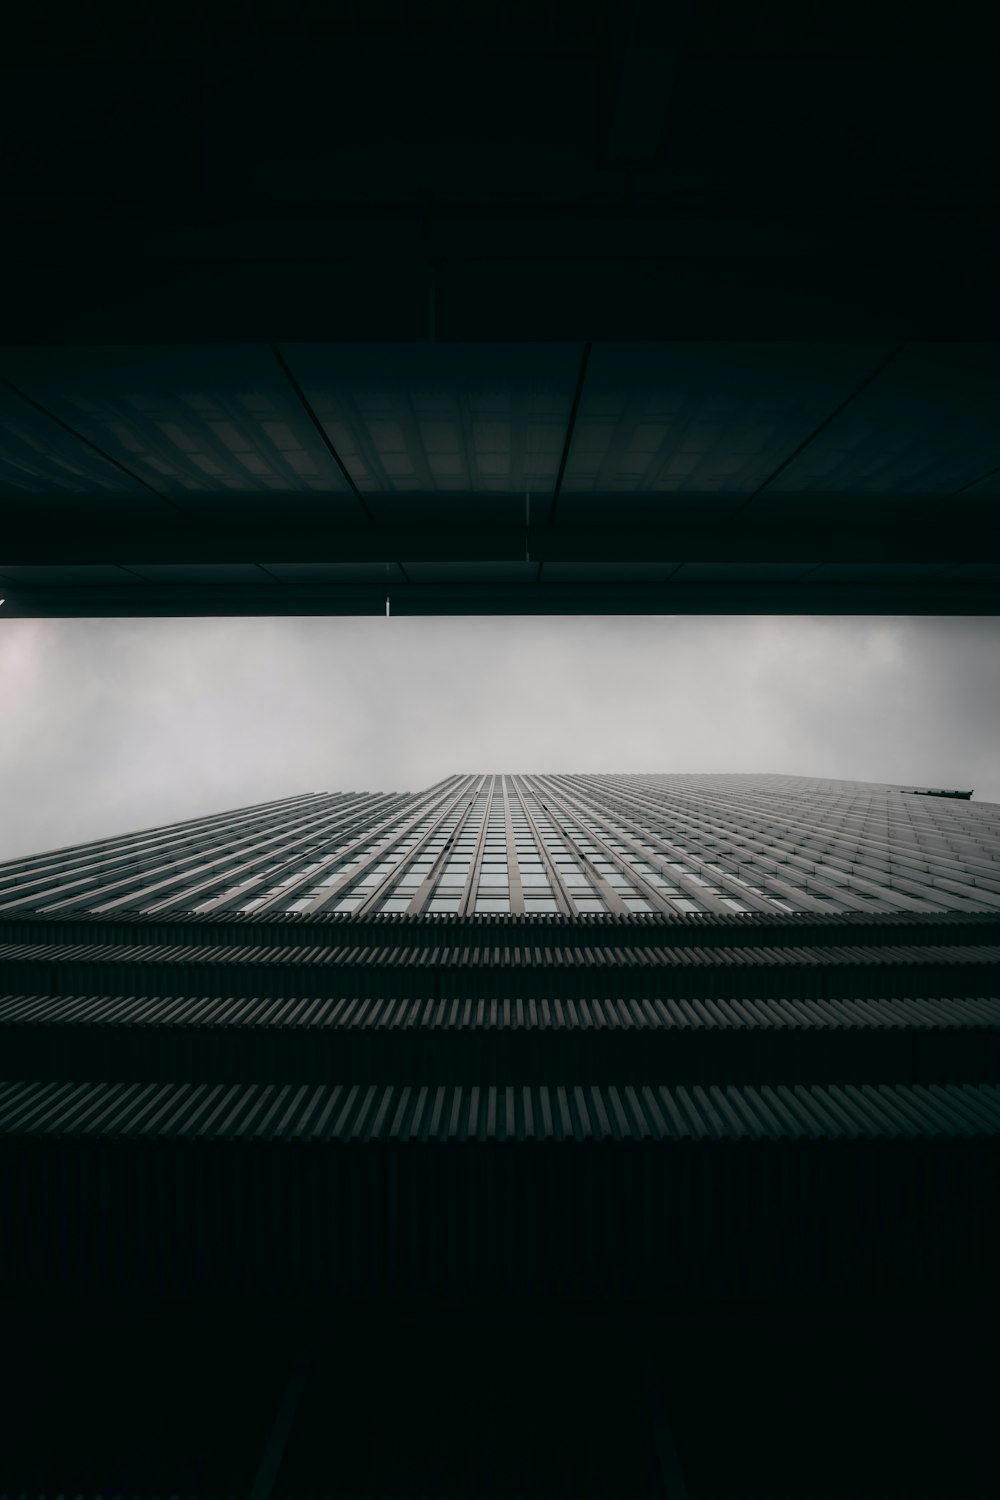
(513, 1137)
(565, 846)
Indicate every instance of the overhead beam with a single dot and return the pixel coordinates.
(529, 231)
(670, 598)
(909, 541)
(513, 296)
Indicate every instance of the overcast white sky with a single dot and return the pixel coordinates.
(112, 725)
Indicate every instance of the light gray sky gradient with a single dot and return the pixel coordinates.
(114, 725)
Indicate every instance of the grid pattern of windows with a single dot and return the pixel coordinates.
(546, 844)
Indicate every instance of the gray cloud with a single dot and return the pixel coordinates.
(111, 725)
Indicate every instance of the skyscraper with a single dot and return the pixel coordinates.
(684, 1087)
(559, 845)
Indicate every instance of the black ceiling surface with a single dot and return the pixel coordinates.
(346, 307)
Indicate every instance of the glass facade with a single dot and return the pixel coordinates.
(569, 844)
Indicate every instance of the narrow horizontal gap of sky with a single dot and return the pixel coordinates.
(114, 725)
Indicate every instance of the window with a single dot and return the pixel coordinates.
(444, 903)
(492, 903)
(348, 903)
(588, 903)
(493, 879)
(540, 903)
(395, 903)
(636, 903)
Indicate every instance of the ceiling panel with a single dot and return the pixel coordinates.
(202, 424)
(928, 424)
(700, 419)
(442, 420)
(45, 469)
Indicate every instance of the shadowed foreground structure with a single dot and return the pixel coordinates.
(549, 1136)
(532, 1137)
(512, 307)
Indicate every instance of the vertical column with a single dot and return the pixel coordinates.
(513, 869)
(494, 834)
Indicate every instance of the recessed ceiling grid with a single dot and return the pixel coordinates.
(208, 444)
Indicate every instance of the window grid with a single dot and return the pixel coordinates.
(565, 844)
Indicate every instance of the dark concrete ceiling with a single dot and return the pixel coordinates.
(510, 307)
